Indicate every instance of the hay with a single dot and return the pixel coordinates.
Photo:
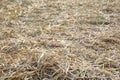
(59, 40)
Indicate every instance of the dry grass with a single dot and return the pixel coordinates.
(59, 40)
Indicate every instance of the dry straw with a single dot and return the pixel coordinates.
(59, 40)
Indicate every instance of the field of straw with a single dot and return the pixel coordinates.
(59, 39)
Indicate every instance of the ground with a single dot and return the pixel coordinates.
(59, 40)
